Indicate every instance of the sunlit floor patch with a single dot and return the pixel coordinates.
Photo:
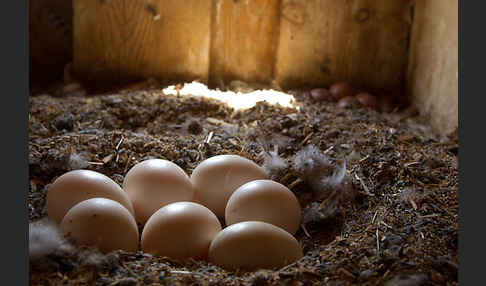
(236, 100)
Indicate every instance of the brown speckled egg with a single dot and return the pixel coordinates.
(180, 230)
(347, 102)
(368, 100)
(253, 245)
(321, 94)
(215, 179)
(79, 185)
(267, 201)
(101, 223)
(341, 90)
(155, 183)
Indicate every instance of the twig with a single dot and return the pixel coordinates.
(428, 216)
(295, 183)
(306, 138)
(295, 264)
(406, 165)
(367, 191)
(108, 158)
(305, 231)
(377, 241)
(210, 136)
(386, 274)
(128, 162)
(180, 272)
(383, 223)
(374, 217)
(328, 150)
(119, 143)
(286, 177)
(364, 159)
(324, 202)
(149, 144)
(346, 273)
(412, 202)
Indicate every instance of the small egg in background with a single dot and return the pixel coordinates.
(155, 183)
(267, 201)
(253, 245)
(340, 90)
(321, 94)
(180, 230)
(102, 223)
(216, 178)
(348, 101)
(367, 100)
(79, 185)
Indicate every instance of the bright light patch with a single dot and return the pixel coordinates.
(236, 100)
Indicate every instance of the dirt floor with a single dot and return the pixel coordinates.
(399, 226)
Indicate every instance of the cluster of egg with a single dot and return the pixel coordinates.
(345, 95)
(181, 215)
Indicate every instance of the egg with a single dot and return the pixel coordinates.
(340, 90)
(348, 101)
(180, 230)
(321, 94)
(79, 185)
(368, 100)
(155, 183)
(253, 245)
(267, 201)
(215, 179)
(101, 223)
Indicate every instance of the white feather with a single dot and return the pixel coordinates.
(336, 178)
(272, 162)
(308, 159)
(44, 239)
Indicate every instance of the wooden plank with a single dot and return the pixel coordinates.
(244, 38)
(433, 66)
(119, 40)
(50, 39)
(361, 41)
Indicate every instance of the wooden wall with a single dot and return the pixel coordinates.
(119, 40)
(288, 42)
(244, 40)
(433, 65)
(362, 41)
(50, 39)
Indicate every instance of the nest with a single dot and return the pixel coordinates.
(390, 218)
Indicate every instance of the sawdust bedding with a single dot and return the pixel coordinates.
(395, 223)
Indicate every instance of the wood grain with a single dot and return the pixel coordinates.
(433, 66)
(361, 41)
(119, 40)
(291, 42)
(244, 39)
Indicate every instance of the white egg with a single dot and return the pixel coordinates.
(102, 223)
(79, 185)
(180, 230)
(267, 201)
(215, 179)
(253, 245)
(155, 183)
